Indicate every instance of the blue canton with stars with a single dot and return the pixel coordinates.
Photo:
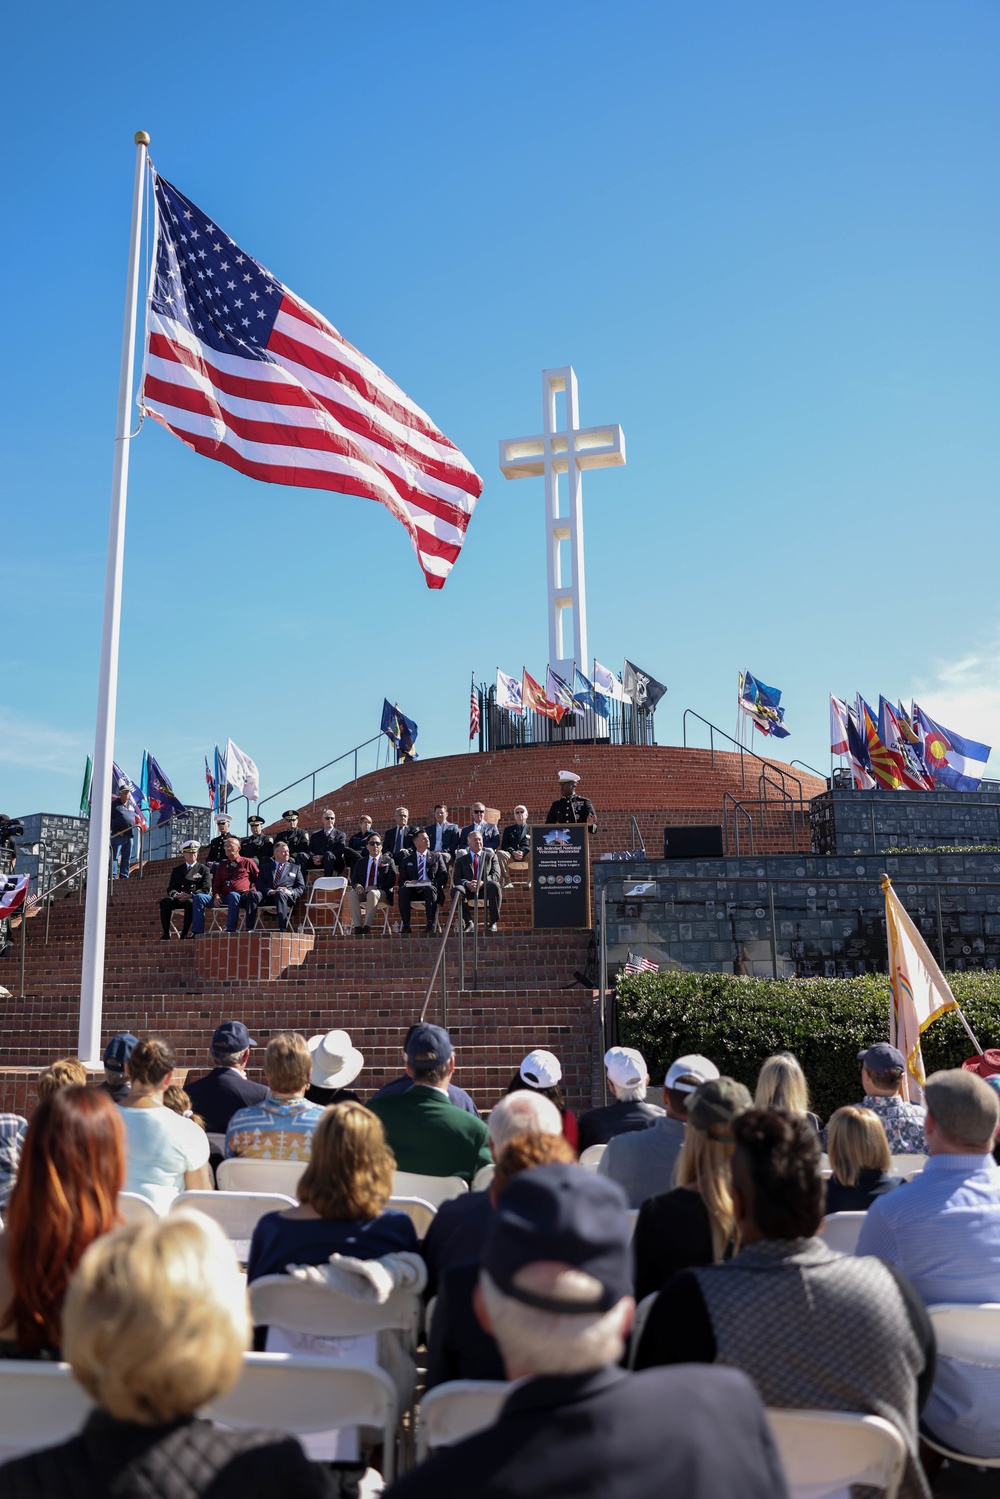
(203, 280)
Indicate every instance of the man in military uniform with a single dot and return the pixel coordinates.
(217, 847)
(297, 838)
(569, 807)
(257, 845)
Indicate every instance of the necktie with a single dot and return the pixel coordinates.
(372, 872)
(475, 866)
(399, 840)
(420, 865)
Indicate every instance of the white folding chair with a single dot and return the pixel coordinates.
(299, 1393)
(176, 915)
(483, 1178)
(237, 1213)
(907, 1165)
(135, 1208)
(422, 1213)
(590, 1157)
(327, 885)
(968, 1334)
(432, 1189)
(642, 1312)
(215, 917)
(455, 1410)
(313, 1307)
(841, 1231)
(216, 1143)
(823, 1452)
(247, 1174)
(40, 1404)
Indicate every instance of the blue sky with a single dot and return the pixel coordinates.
(765, 237)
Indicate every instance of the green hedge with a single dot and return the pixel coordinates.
(738, 1022)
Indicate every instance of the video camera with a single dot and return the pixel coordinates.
(10, 829)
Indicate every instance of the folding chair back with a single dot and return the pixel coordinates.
(638, 1325)
(483, 1178)
(432, 1189)
(135, 1208)
(841, 1231)
(333, 889)
(309, 1306)
(907, 1165)
(237, 1213)
(40, 1404)
(246, 1174)
(590, 1157)
(823, 1452)
(969, 1334)
(452, 1411)
(422, 1213)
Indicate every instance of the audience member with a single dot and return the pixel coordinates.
(154, 1328)
(342, 1200)
(179, 1102)
(404, 1083)
(569, 806)
(541, 1072)
(460, 1225)
(12, 1131)
(257, 845)
(67, 1072)
(694, 1224)
(164, 1153)
(515, 844)
(373, 880)
(882, 1071)
(358, 842)
(217, 847)
(555, 1292)
(297, 838)
(781, 1084)
(813, 1329)
(279, 1127)
(279, 884)
(233, 881)
(190, 887)
(72, 1169)
(488, 831)
(987, 1066)
(123, 816)
(628, 1079)
(942, 1232)
(422, 878)
(327, 847)
(218, 1095)
(859, 1159)
(458, 1346)
(445, 837)
(477, 874)
(335, 1063)
(642, 1163)
(116, 1055)
(399, 838)
(426, 1133)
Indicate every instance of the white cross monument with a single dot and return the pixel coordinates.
(569, 452)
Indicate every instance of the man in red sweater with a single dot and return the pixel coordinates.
(232, 882)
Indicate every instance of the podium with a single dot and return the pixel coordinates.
(560, 875)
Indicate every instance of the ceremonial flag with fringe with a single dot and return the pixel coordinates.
(920, 991)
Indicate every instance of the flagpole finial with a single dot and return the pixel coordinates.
(886, 882)
(141, 138)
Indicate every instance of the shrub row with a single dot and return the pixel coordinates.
(738, 1022)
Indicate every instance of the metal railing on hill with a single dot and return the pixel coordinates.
(499, 729)
(311, 775)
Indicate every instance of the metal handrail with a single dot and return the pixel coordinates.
(738, 807)
(636, 833)
(456, 901)
(783, 792)
(742, 748)
(811, 769)
(312, 774)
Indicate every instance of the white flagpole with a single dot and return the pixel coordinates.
(95, 920)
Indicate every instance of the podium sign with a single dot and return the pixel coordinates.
(560, 875)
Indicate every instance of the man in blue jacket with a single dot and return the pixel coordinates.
(122, 832)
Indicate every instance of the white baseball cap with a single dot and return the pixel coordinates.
(540, 1069)
(694, 1070)
(625, 1066)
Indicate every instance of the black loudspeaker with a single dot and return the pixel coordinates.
(702, 841)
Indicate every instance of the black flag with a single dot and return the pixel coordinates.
(640, 688)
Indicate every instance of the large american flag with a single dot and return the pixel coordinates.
(244, 371)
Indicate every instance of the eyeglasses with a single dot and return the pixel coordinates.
(479, 809)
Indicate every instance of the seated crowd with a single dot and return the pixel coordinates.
(533, 1275)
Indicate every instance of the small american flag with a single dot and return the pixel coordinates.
(245, 372)
(473, 712)
(636, 965)
(13, 893)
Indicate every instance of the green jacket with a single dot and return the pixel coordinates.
(428, 1134)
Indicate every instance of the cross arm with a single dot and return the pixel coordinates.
(593, 447)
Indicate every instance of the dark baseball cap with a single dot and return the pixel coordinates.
(882, 1058)
(563, 1214)
(231, 1035)
(428, 1045)
(118, 1051)
(715, 1105)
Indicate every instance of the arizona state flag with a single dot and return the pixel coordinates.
(883, 767)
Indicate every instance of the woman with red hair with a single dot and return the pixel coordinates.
(66, 1194)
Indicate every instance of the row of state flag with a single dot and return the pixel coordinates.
(897, 750)
(560, 698)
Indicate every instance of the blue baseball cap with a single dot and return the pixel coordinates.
(118, 1051)
(882, 1058)
(231, 1035)
(566, 1214)
(428, 1046)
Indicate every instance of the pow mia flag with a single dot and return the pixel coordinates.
(640, 688)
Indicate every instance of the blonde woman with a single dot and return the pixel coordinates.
(155, 1326)
(782, 1085)
(342, 1196)
(693, 1224)
(858, 1148)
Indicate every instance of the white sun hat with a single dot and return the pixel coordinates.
(335, 1061)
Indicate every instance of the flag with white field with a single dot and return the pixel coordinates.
(920, 991)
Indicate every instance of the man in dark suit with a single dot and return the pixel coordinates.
(297, 838)
(327, 847)
(555, 1290)
(515, 843)
(257, 845)
(217, 1096)
(488, 831)
(399, 838)
(445, 837)
(478, 866)
(422, 877)
(189, 886)
(373, 880)
(279, 884)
